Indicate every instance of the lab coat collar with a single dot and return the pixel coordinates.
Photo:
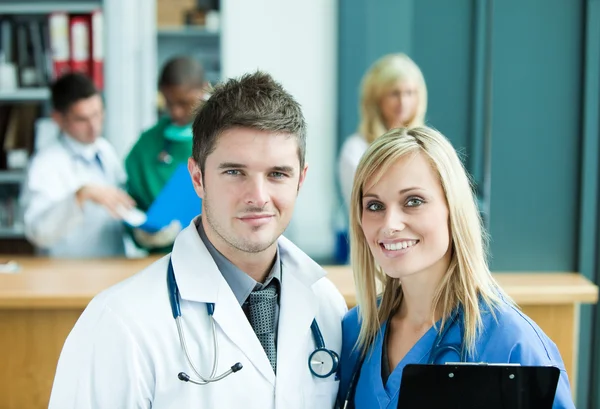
(78, 149)
(199, 278)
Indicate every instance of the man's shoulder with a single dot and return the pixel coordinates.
(53, 159)
(105, 145)
(50, 151)
(328, 293)
(312, 274)
(135, 294)
(154, 133)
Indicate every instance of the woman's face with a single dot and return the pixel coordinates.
(398, 105)
(405, 219)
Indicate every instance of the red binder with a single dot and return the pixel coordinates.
(79, 30)
(59, 43)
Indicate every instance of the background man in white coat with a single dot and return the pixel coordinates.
(231, 274)
(72, 194)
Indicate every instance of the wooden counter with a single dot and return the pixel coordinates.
(40, 304)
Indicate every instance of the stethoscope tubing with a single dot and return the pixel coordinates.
(174, 301)
(436, 351)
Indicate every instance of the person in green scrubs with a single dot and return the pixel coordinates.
(162, 148)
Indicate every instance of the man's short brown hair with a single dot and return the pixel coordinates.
(253, 101)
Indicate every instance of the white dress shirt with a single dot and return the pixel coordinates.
(54, 220)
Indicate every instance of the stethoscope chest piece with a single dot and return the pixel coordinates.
(323, 362)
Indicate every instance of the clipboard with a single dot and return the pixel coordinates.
(176, 201)
(477, 386)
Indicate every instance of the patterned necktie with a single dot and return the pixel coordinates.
(262, 307)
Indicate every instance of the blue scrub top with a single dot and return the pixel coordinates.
(511, 337)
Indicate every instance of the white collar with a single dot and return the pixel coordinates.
(197, 274)
(87, 151)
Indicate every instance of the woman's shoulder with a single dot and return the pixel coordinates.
(511, 330)
(350, 330)
(350, 323)
(507, 316)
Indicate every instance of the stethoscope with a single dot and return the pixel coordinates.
(322, 362)
(437, 350)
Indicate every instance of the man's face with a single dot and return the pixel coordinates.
(83, 120)
(181, 102)
(249, 188)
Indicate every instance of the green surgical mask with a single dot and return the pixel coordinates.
(178, 133)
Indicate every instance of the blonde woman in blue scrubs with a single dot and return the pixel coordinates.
(416, 235)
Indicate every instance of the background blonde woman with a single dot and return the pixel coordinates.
(415, 228)
(393, 95)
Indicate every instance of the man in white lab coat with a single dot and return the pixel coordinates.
(246, 298)
(71, 198)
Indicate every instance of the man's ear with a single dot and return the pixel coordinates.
(59, 118)
(302, 176)
(196, 175)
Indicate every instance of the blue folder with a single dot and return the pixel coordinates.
(176, 201)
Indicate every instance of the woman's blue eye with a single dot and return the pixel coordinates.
(414, 202)
(374, 206)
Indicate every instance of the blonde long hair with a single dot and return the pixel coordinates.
(468, 283)
(383, 74)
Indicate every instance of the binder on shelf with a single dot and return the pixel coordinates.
(6, 42)
(47, 50)
(79, 34)
(19, 128)
(97, 45)
(38, 53)
(27, 73)
(59, 42)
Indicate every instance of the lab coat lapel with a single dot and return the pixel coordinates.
(200, 280)
(231, 319)
(298, 308)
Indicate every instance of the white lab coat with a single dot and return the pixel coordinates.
(124, 352)
(350, 154)
(54, 221)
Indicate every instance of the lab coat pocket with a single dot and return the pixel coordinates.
(324, 394)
